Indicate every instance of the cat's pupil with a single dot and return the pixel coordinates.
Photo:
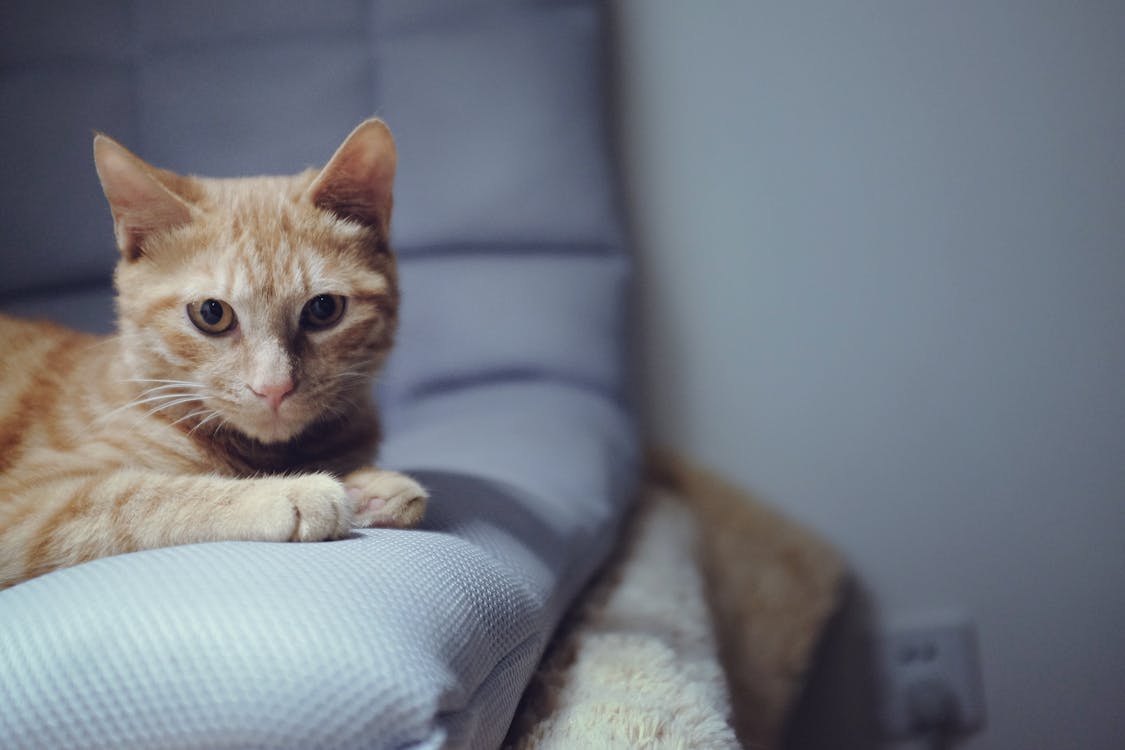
(211, 311)
(323, 306)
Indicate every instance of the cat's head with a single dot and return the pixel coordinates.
(263, 304)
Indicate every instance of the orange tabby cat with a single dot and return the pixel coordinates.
(252, 316)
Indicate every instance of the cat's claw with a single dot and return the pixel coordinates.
(385, 498)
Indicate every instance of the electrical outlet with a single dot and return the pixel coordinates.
(929, 681)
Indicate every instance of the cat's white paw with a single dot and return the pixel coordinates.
(385, 498)
(306, 508)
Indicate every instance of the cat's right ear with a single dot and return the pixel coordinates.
(140, 203)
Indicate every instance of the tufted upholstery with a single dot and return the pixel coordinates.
(505, 394)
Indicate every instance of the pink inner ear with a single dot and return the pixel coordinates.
(358, 181)
(139, 203)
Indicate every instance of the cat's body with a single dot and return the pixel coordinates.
(233, 403)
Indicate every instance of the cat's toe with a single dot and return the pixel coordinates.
(322, 509)
(305, 508)
(386, 499)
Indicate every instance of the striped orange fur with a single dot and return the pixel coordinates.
(233, 402)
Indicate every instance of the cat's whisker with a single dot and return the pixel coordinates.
(342, 409)
(179, 387)
(205, 420)
(185, 383)
(333, 411)
(162, 407)
(348, 382)
(156, 380)
(157, 388)
(138, 402)
(192, 414)
(165, 397)
(349, 373)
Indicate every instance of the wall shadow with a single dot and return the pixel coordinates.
(837, 707)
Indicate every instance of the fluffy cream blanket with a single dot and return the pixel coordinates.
(696, 635)
(638, 666)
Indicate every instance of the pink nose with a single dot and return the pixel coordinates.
(274, 393)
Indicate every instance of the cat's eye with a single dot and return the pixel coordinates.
(211, 316)
(323, 310)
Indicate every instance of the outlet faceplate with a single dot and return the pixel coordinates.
(925, 672)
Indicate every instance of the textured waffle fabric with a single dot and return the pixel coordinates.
(504, 395)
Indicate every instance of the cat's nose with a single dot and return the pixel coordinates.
(275, 392)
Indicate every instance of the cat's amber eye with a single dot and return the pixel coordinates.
(323, 310)
(211, 316)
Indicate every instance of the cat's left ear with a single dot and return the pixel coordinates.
(357, 183)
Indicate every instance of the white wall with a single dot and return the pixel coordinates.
(883, 250)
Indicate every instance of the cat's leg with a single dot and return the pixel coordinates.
(385, 498)
(72, 519)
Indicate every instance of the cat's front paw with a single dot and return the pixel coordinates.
(385, 498)
(305, 508)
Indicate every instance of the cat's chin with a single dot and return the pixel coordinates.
(272, 437)
(270, 430)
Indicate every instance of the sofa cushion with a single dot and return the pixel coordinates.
(388, 639)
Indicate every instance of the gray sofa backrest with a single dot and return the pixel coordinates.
(505, 215)
(496, 106)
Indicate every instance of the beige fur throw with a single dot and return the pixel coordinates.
(638, 666)
(700, 630)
